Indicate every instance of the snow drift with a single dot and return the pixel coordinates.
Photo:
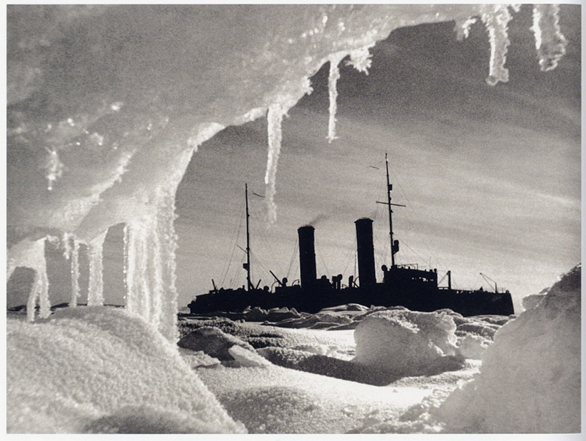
(103, 370)
(404, 342)
(530, 379)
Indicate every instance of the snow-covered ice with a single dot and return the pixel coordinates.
(100, 369)
(404, 342)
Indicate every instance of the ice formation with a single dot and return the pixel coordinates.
(404, 342)
(104, 113)
(496, 19)
(274, 120)
(103, 370)
(530, 379)
(333, 92)
(549, 41)
(73, 255)
(96, 284)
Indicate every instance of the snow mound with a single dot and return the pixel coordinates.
(404, 342)
(213, 342)
(530, 377)
(98, 369)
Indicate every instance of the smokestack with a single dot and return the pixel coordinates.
(365, 245)
(307, 256)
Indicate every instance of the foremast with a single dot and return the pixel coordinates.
(393, 243)
(247, 264)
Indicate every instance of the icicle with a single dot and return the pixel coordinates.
(136, 259)
(75, 290)
(496, 20)
(71, 253)
(333, 92)
(154, 272)
(130, 300)
(275, 120)
(549, 41)
(166, 225)
(96, 283)
(149, 264)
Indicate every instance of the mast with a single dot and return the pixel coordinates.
(247, 264)
(394, 243)
(389, 188)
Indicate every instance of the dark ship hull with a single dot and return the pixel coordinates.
(412, 288)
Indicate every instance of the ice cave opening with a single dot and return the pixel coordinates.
(106, 106)
(104, 117)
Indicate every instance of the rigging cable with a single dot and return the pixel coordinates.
(414, 222)
(236, 235)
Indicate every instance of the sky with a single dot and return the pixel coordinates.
(490, 176)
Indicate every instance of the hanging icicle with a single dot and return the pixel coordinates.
(275, 120)
(168, 247)
(150, 246)
(549, 41)
(333, 93)
(135, 259)
(95, 252)
(74, 256)
(496, 18)
(154, 271)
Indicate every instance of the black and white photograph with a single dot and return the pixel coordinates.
(311, 219)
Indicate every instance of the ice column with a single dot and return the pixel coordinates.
(150, 245)
(74, 256)
(168, 247)
(96, 283)
(333, 93)
(550, 43)
(71, 253)
(496, 18)
(275, 120)
(135, 254)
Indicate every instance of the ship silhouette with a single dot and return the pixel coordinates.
(402, 285)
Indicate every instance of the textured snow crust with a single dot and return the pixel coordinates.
(103, 370)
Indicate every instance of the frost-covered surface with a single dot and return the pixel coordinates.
(309, 382)
(97, 369)
(530, 380)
